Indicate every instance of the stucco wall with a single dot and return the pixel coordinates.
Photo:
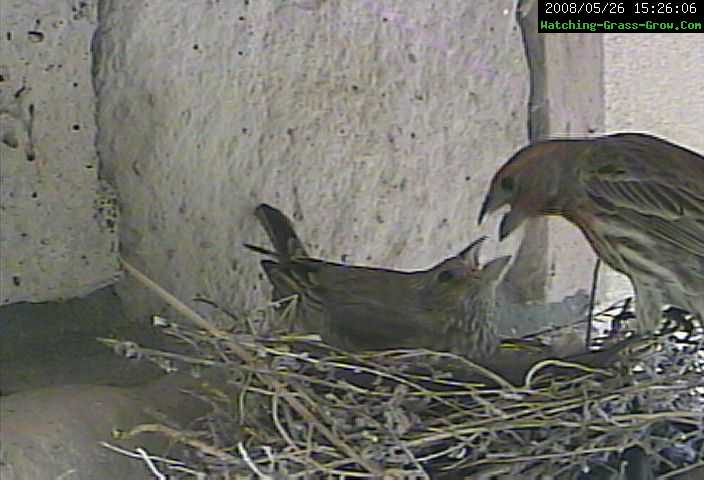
(566, 101)
(375, 124)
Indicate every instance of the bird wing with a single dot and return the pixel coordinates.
(380, 284)
(661, 183)
(370, 324)
(370, 308)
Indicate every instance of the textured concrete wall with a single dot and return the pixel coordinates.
(575, 108)
(654, 83)
(376, 124)
(57, 222)
(566, 101)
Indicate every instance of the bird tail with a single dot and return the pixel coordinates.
(279, 229)
(288, 268)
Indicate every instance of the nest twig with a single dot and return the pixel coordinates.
(304, 410)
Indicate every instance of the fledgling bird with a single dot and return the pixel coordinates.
(448, 307)
(638, 199)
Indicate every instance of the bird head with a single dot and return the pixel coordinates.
(491, 271)
(460, 300)
(463, 275)
(528, 183)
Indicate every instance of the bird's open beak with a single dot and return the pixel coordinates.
(493, 201)
(511, 221)
(471, 253)
(492, 270)
(484, 210)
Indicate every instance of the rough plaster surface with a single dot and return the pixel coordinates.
(654, 83)
(57, 222)
(566, 101)
(575, 108)
(375, 124)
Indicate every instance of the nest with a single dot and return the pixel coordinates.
(295, 408)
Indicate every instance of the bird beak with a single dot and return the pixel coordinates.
(511, 221)
(492, 202)
(471, 253)
(484, 210)
(493, 270)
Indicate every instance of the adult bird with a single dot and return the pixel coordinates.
(638, 199)
(448, 307)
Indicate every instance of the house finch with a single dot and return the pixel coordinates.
(448, 307)
(637, 198)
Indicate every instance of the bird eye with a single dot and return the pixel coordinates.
(445, 276)
(507, 183)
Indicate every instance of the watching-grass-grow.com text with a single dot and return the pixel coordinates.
(577, 25)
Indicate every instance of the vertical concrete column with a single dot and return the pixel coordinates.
(566, 99)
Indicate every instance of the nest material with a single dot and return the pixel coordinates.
(303, 410)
